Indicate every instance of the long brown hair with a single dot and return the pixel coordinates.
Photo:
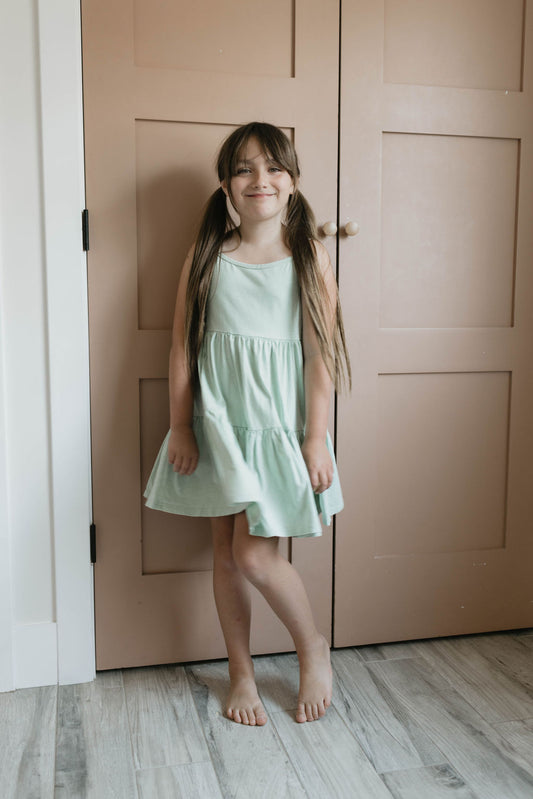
(300, 233)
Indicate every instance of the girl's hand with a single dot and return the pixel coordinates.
(183, 449)
(319, 464)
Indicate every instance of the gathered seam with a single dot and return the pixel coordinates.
(262, 338)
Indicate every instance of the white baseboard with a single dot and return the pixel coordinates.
(35, 655)
(6, 661)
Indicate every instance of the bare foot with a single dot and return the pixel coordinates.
(244, 705)
(315, 682)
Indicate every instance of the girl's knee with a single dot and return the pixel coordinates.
(249, 562)
(254, 556)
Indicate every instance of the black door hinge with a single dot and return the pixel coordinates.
(93, 542)
(85, 229)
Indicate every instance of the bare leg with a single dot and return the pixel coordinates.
(279, 582)
(232, 598)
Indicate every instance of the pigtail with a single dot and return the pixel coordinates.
(301, 233)
(216, 226)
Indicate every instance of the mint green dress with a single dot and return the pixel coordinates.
(249, 411)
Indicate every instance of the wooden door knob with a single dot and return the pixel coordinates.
(329, 228)
(351, 228)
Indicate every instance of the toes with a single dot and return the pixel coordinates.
(307, 711)
(249, 716)
(241, 716)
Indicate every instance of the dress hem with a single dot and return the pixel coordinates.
(205, 513)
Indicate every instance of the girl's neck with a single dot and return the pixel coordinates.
(260, 243)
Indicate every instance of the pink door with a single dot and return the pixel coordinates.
(163, 84)
(435, 445)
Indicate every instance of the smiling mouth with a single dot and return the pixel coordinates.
(260, 195)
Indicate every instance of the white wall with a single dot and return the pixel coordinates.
(24, 340)
(45, 575)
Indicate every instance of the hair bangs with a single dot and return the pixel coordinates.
(273, 143)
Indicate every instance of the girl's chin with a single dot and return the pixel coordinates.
(260, 215)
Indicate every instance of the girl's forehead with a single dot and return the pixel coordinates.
(252, 150)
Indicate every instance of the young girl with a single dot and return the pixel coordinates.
(248, 444)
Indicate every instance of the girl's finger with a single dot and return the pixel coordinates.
(193, 462)
(325, 480)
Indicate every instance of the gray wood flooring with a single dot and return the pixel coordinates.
(435, 719)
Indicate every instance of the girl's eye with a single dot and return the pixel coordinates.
(275, 169)
(242, 170)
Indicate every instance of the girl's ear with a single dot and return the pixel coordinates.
(224, 187)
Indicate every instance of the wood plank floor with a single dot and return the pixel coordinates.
(433, 719)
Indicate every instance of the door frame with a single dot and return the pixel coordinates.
(59, 37)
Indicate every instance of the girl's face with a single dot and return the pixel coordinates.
(260, 188)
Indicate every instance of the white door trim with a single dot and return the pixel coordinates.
(67, 315)
(7, 681)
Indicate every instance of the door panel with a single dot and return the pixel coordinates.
(435, 442)
(163, 84)
(236, 39)
(475, 44)
(441, 453)
(444, 263)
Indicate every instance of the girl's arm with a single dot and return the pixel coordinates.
(182, 446)
(317, 389)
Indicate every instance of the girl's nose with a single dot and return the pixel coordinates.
(260, 179)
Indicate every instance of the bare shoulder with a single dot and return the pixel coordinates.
(184, 274)
(190, 253)
(322, 256)
(186, 268)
